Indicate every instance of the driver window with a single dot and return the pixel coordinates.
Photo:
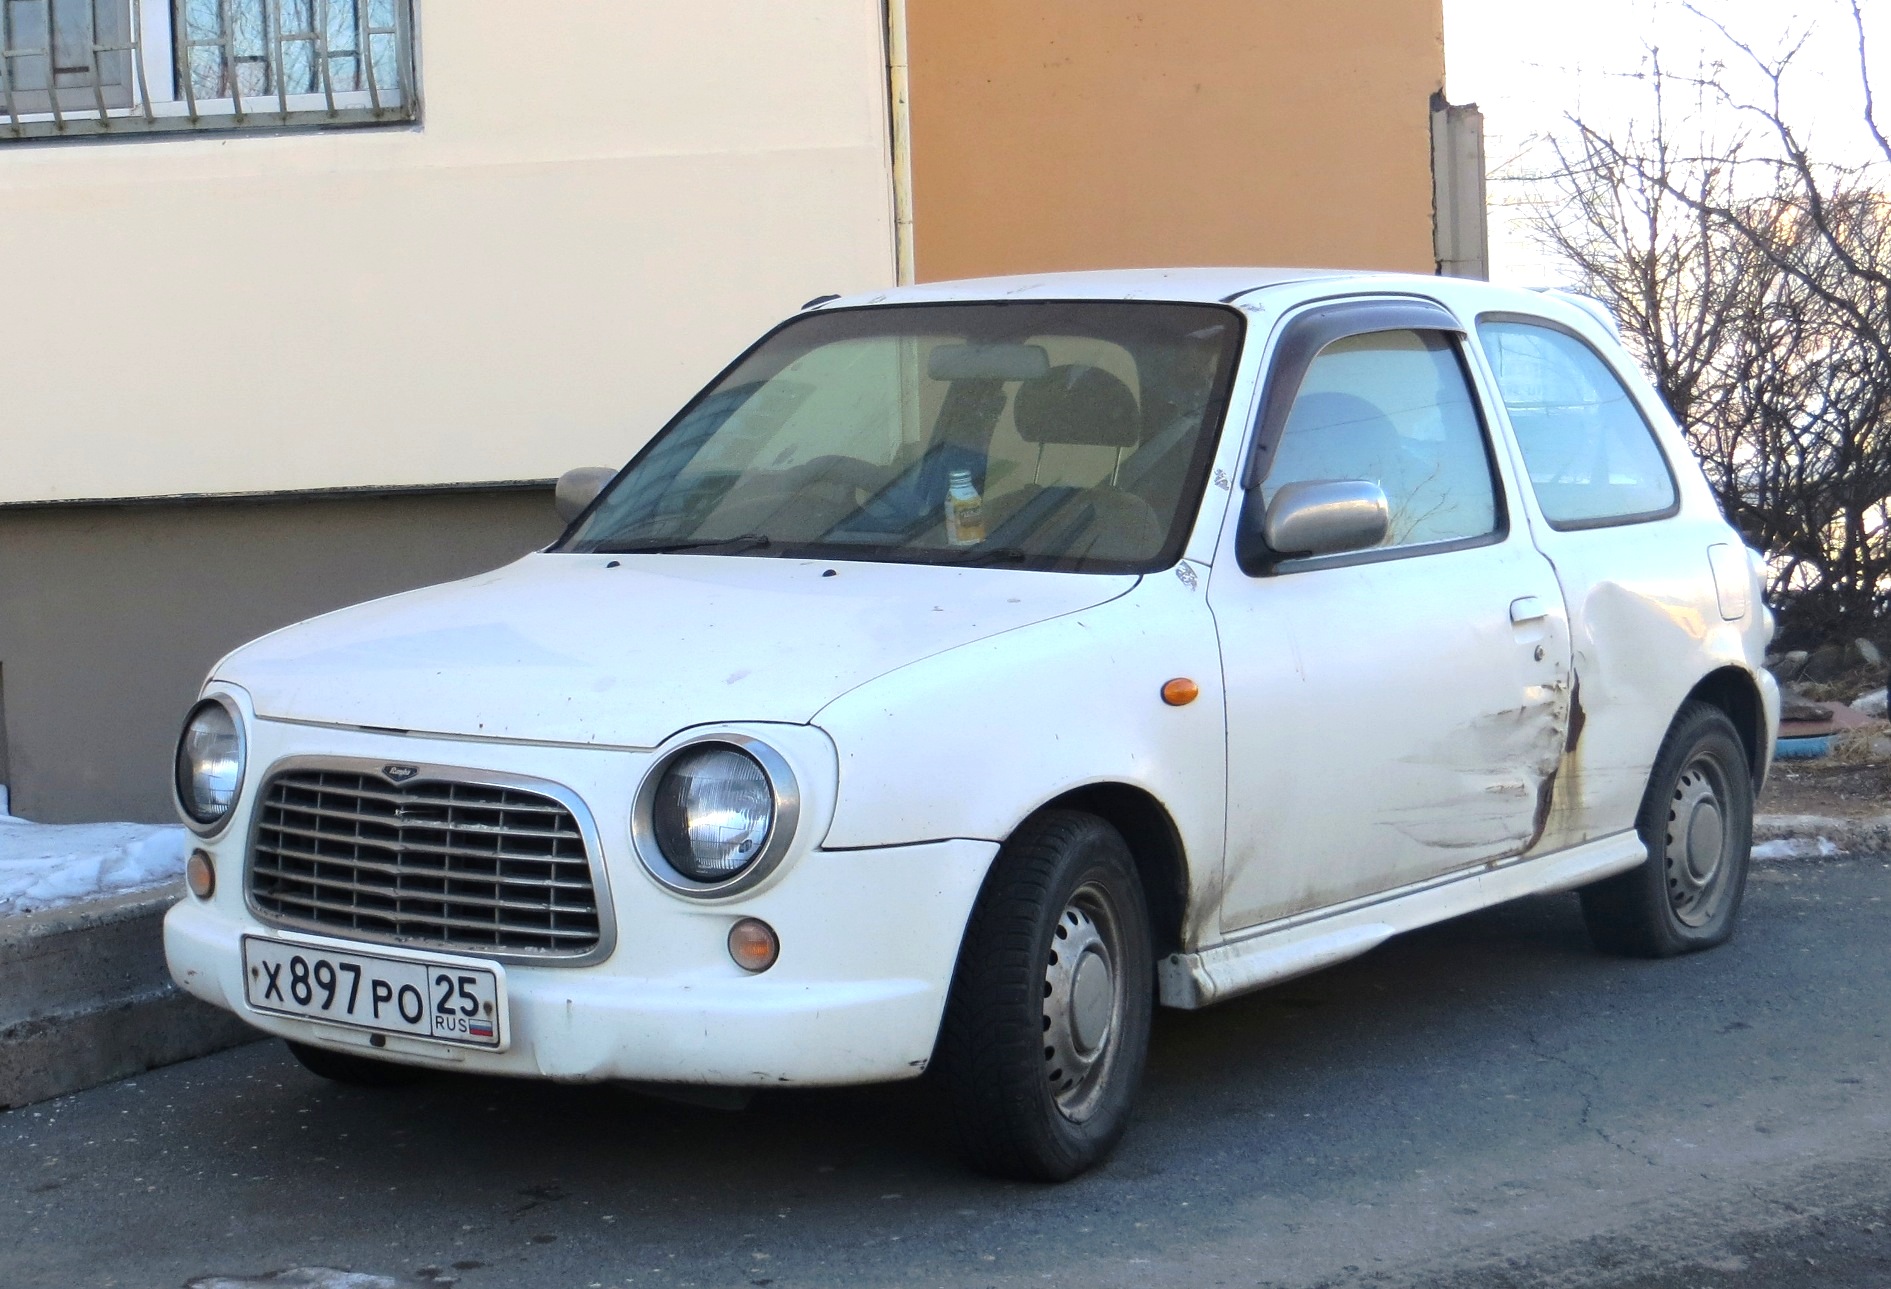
(1394, 407)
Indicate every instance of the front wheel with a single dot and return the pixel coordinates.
(1697, 822)
(1047, 1026)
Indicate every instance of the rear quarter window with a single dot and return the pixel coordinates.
(1590, 454)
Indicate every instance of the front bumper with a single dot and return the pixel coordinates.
(869, 940)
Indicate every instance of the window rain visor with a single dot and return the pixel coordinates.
(1070, 435)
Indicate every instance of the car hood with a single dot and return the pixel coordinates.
(627, 650)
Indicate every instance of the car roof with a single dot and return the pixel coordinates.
(1196, 284)
(1249, 286)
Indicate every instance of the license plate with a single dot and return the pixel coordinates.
(434, 998)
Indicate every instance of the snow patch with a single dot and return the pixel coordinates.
(311, 1278)
(43, 866)
(1797, 848)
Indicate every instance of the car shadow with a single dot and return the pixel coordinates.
(1365, 1025)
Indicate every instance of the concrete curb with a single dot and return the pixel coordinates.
(1844, 836)
(85, 998)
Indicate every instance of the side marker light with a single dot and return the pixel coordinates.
(754, 945)
(200, 875)
(1180, 692)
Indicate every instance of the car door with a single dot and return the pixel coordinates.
(1398, 713)
(1638, 568)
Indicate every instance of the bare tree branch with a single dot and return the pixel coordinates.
(1754, 280)
(1864, 78)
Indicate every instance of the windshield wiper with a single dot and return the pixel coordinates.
(742, 542)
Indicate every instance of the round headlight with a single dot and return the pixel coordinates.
(210, 759)
(712, 813)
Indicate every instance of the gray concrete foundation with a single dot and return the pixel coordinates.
(112, 614)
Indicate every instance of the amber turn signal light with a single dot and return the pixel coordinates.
(200, 875)
(753, 944)
(1180, 692)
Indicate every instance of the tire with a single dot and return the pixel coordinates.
(1046, 1030)
(355, 1071)
(1697, 822)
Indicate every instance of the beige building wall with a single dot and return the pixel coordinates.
(1070, 134)
(605, 198)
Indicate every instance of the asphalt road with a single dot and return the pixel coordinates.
(1488, 1103)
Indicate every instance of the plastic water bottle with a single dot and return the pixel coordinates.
(964, 511)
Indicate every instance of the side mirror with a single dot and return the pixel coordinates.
(579, 488)
(1325, 517)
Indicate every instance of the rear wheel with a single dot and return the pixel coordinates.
(1047, 1027)
(1697, 822)
(355, 1071)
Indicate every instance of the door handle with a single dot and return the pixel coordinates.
(1527, 608)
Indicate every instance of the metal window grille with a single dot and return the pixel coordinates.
(75, 68)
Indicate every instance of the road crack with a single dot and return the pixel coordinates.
(1586, 1120)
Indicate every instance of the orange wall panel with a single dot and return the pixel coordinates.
(1068, 134)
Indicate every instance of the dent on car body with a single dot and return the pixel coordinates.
(1501, 757)
(1637, 674)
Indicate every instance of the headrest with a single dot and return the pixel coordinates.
(1077, 403)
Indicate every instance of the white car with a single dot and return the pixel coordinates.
(973, 667)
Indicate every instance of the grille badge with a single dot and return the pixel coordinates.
(400, 773)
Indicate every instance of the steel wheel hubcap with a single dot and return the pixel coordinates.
(1696, 851)
(1083, 1001)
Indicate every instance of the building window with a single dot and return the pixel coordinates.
(79, 68)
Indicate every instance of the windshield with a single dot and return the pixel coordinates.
(1070, 435)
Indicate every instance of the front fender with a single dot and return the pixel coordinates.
(967, 743)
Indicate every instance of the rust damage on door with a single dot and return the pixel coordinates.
(1567, 773)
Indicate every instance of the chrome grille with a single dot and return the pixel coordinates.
(465, 866)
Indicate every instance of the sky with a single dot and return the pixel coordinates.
(1529, 63)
